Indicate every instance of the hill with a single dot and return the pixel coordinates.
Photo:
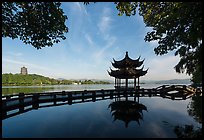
(34, 79)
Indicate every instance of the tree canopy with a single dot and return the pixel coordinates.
(37, 23)
(176, 26)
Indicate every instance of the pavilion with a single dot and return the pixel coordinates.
(127, 68)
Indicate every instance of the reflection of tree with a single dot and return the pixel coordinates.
(187, 131)
(194, 110)
(127, 111)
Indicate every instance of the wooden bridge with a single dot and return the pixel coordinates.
(19, 103)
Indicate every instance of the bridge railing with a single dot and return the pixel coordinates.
(35, 100)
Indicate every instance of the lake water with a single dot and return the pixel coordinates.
(95, 119)
(6, 90)
(35, 89)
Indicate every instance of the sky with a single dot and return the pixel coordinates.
(96, 35)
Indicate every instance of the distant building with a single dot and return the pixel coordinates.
(24, 70)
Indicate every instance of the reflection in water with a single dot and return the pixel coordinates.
(127, 110)
(93, 119)
(188, 131)
(194, 109)
(31, 89)
(8, 90)
(124, 110)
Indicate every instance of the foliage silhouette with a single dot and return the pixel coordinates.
(37, 23)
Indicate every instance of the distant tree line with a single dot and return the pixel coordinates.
(10, 79)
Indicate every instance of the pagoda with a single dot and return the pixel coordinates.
(24, 71)
(127, 68)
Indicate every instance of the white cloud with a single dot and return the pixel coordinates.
(153, 43)
(105, 21)
(162, 68)
(17, 54)
(102, 52)
(104, 24)
(13, 66)
(9, 62)
(106, 11)
(89, 39)
(81, 7)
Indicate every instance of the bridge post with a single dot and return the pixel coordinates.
(70, 98)
(35, 101)
(172, 97)
(82, 97)
(111, 94)
(184, 97)
(162, 95)
(163, 88)
(8, 97)
(4, 112)
(94, 96)
(102, 91)
(55, 98)
(63, 94)
(3, 103)
(84, 93)
(21, 101)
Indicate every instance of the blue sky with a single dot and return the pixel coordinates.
(96, 35)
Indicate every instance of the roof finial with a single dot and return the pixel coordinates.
(126, 53)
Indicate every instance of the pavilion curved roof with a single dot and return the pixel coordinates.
(127, 62)
(127, 73)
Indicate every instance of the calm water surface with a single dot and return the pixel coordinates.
(95, 119)
(39, 89)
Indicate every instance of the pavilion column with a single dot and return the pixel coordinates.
(134, 83)
(115, 82)
(138, 82)
(119, 82)
(126, 83)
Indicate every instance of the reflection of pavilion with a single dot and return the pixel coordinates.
(127, 111)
